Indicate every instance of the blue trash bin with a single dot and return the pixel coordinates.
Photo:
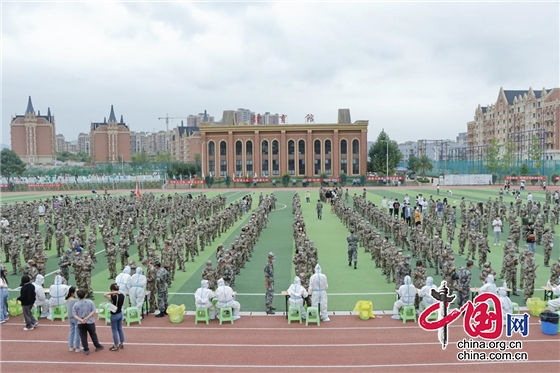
(549, 323)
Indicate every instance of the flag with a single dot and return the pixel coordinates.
(233, 176)
(203, 176)
(181, 177)
(190, 176)
(138, 190)
(256, 176)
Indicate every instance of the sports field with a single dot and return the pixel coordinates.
(346, 285)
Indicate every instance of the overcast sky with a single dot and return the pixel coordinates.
(417, 69)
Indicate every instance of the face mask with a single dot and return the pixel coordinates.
(273, 260)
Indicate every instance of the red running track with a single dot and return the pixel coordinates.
(255, 344)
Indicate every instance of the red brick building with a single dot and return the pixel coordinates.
(33, 136)
(273, 150)
(110, 140)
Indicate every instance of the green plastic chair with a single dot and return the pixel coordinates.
(202, 314)
(59, 312)
(36, 312)
(132, 314)
(103, 312)
(226, 314)
(313, 316)
(294, 314)
(515, 308)
(408, 313)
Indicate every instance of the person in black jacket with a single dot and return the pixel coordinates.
(27, 299)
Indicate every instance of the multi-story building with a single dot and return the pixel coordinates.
(61, 143)
(83, 143)
(243, 116)
(110, 140)
(33, 135)
(268, 118)
(160, 142)
(185, 143)
(517, 117)
(273, 150)
(140, 142)
(195, 120)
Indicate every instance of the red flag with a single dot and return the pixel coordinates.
(138, 190)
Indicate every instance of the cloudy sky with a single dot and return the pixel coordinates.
(416, 69)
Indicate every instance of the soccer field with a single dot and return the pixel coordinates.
(346, 285)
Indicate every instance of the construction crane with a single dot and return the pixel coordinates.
(167, 117)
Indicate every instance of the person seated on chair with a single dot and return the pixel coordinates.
(554, 304)
(203, 298)
(426, 294)
(58, 292)
(40, 297)
(297, 294)
(489, 286)
(507, 306)
(224, 294)
(407, 293)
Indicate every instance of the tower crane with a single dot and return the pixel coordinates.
(167, 117)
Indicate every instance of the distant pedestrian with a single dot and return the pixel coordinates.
(269, 284)
(116, 297)
(27, 299)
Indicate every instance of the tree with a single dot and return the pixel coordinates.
(198, 161)
(493, 156)
(10, 164)
(378, 155)
(425, 164)
(142, 157)
(509, 156)
(164, 157)
(535, 152)
(413, 164)
(524, 170)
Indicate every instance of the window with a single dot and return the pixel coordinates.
(249, 148)
(301, 147)
(249, 157)
(211, 148)
(211, 166)
(328, 170)
(223, 168)
(291, 147)
(343, 147)
(223, 148)
(264, 151)
(239, 167)
(317, 157)
(291, 166)
(355, 157)
(355, 147)
(275, 147)
(275, 158)
(238, 148)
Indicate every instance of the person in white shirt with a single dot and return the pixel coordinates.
(529, 197)
(407, 199)
(384, 204)
(391, 202)
(4, 223)
(225, 299)
(497, 225)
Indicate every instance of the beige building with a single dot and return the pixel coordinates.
(517, 116)
(185, 143)
(33, 136)
(83, 143)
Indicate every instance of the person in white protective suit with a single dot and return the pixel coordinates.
(407, 294)
(123, 281)
(137, 290)
(40, 297)
(426, 294)
(58, 292)
(224, 294)
(489, 286)
(203, 298)
(554, 304)
(297, 294)
(507, 306)
(318, 286)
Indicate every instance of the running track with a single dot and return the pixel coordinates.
(261, 343)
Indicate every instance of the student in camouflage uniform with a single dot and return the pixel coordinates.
(437, 252)
(168, 260)
(151, 277)
(464, 283)
(473, 239)
(487, 270)
(510, 245)
(64, 264)
(269, 284)
(483, 250)
(352, 240)
(111, 254)
(522, 259)
(548, 244)
(530, 268)
(419, 275)
(209, 274)
(319, 208)
(87, 267)
(41, 259)
(511, 270)
(224, 271)
(161, 283)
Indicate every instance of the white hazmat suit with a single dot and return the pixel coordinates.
(426, 294)
(123, 281)
(203, 298)
(507, 306)
(489, 286)
(58, 292)
(224, 294)
(407, 294)
(554, 304)
(137, 289)
(318, 286)
(297, 293)
(40, 297)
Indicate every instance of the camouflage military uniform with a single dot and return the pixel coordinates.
(162, 279)
(352, 240)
